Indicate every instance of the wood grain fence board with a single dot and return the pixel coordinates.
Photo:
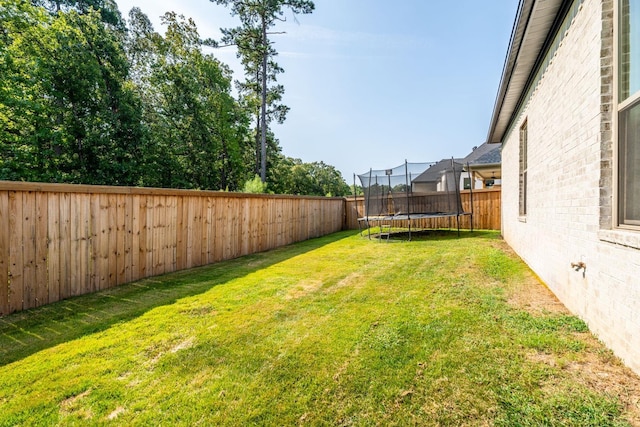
(155, 239)
(128, 239)
(225, 221)
(151, 230)
(158, 240)
(4, 253)
(102, 226)
(237, 221)
(211, 223)
(85, 245)
(120, 240)
(204, 235)
(74, 245)
(94, 221)
(235, 227)
(29, 250)
(135, 237)
(172, 203)
(256, 215)
(279, 225)
(181, 237)
(142, 257)
(112, 230)
(161, 241)
(165, 258)
(189, 231)
(42, 222)
(65, 245)
(16, 256)
(245, 233)
(196, 222)
(53, 247)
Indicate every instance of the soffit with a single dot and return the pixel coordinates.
(534, 21)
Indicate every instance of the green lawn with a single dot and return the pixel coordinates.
(334, 331)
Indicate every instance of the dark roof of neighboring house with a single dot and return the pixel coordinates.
(481, 152)
(434, 173)
(491, 158)
(535, 24)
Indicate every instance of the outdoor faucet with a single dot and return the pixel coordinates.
(577, 266)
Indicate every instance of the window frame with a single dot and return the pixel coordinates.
(523, 168)
(621, 107)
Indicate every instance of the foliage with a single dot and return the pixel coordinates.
(77, 122)
(364, 334)
(86, 97)
(255, 186)
(258, 92)
(199, 130)
(293, 176)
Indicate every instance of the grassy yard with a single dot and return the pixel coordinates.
(334, 331)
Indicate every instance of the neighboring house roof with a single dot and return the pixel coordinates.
(493, 157)
(434, 173)
(484, 154)
(532, 33)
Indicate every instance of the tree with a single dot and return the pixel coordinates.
(199, 130)
(256, 52)
(67, 106)
(293, 176)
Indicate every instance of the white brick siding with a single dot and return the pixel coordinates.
(569, 187)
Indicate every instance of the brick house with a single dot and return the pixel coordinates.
(568, 115)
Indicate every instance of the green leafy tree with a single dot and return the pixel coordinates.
(108, 9)
(293, 176)
(67, 107)
(199, 130)
(257, 17)
(255, 186)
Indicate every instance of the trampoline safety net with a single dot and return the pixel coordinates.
(413, 191)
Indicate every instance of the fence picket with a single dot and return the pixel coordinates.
(4, 253)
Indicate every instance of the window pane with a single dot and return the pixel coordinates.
(629, 57)
(523, 170)
(630, 165)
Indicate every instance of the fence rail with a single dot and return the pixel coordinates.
(486, 212)
(58, 240)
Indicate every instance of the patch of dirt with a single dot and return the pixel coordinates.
(534, 297)
(351, 280)
(595, 367)
(72, 405)
(182, 345)
(119, 410)
(304, 288)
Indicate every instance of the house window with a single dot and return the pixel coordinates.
(629, 113)
(467, 183)
(523, 170)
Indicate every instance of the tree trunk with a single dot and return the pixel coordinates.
(263, 112)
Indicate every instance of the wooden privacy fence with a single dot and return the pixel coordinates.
(58, 241)
(486, 212)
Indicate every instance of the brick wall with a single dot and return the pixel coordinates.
(570, 163)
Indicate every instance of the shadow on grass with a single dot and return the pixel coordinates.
(30, 331)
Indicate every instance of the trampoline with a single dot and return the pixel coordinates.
(411, 192)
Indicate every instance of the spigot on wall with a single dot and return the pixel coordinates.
(577, 266)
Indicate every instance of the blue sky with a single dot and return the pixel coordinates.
(371, 83)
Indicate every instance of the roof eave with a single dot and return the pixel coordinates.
(532, 31)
